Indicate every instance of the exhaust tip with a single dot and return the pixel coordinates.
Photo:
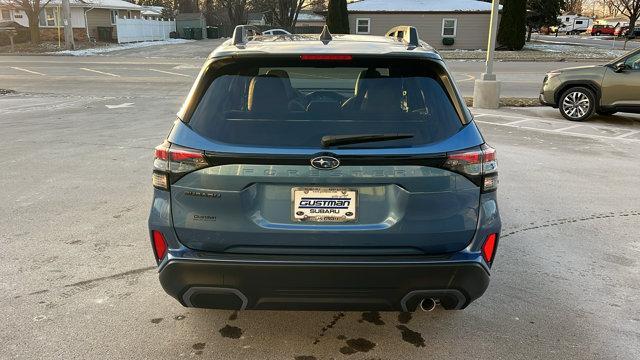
(427, 304)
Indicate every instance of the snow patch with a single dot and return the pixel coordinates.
(110, 48)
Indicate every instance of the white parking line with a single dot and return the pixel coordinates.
(627, 134)
(100, 72)
(568, 127)
(170, 73)
(590, 136)
(517, 122)
(25, 70)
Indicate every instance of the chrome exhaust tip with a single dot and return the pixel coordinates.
(427, 304)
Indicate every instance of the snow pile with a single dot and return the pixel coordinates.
(575, 51)
(419, 5)
(107, 49)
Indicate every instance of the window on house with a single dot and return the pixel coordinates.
(363, 26)
(6, 15)
(114, 16)
(48, 17)
(449, 27)
(579, 22)
(566, 19)
(17, 16)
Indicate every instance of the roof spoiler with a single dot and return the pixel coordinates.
(407, 34)
(242, 33)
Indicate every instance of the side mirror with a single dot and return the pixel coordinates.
(620, 67)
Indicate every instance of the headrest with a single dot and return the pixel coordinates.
(267, 94)
(383, 96)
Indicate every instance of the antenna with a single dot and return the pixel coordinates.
(325, 35)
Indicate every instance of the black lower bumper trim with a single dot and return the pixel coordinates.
(333, 286)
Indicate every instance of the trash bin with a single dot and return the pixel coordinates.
(197, 33)
(105, 33)
(212, 32)
(188, 33)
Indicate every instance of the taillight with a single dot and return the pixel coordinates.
(159, 245)
(489, 248)
(479, 165)
(171, 162)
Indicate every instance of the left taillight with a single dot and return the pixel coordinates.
(159, 244)
(171, 162)
(479, 165)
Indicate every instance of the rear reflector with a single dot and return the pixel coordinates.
(326, 57)
(489, 247)
(159, 245)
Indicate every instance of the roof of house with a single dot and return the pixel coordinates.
(309, 16)
(255, 16)
(152, 10)
(98, 4)
(419, 6)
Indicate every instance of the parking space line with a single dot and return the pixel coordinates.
(517, 122)
(100, 72)
(590, 136)
(170, 73)
(568, 127)
(627, 134)
(25, 70)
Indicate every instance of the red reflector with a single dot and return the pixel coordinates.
(326, 57)
(489, 247)
(161, 152)
(159, 244)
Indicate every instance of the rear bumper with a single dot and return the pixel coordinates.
(328, 285)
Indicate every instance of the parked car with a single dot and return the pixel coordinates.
(597, 30)
(604, 89)
(276, 32)
(344, 173)
(636, 32)
(621, 30)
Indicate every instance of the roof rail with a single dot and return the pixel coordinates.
(405, 33)
(325, 35)
(242, 33)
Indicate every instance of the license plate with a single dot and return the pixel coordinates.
(324, 204)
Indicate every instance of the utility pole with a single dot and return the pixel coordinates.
(486, 92)
(68, 28)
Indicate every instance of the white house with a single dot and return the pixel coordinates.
(461, 24)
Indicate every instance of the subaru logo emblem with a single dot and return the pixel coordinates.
(325, 162)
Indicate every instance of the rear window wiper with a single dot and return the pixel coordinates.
(336, 140)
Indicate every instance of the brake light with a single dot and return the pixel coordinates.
(315, 57)
(479, 165)
(489, 248)
(159, 245)
(173, 162)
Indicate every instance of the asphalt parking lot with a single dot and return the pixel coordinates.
(77, 275)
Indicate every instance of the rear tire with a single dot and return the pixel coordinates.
(577, 103)
(605, 112)
(598, 33)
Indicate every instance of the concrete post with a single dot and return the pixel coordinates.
(69, 43)
(486, 92)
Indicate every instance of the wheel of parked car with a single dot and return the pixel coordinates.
(598, 33)
(577, 103)
(606, 112)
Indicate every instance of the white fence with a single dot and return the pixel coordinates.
(132, 30)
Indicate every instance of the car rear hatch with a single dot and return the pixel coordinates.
(247, 176)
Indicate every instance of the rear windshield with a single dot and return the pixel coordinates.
(285, 103)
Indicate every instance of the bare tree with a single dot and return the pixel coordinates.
(631, 9)
(574, 6)
(236, 10)
(32, 8)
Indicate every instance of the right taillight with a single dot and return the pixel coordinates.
(479, 165)
(171, 162)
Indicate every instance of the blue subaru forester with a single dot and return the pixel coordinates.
(324, 172)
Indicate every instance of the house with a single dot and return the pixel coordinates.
(614, 21)
(152, 12)
(464, 23)
(256, 19)
(89, 18)
(309, 23)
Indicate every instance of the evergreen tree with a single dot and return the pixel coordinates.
(338, 17)
(512, 32)
(542, 13)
